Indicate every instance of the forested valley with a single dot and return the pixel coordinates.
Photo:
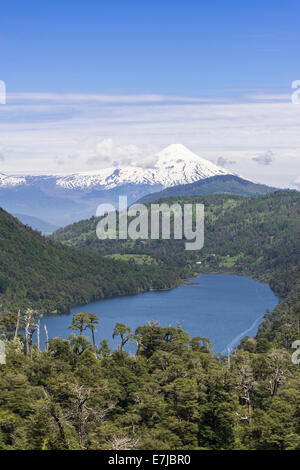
(173, 392)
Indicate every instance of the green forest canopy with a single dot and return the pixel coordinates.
(172, 393)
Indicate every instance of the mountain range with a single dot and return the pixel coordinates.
(63, 199)
(175, 165)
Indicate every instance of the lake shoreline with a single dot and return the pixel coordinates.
(219, 306)
(181, 282)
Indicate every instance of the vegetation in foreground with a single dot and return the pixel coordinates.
(173, 393)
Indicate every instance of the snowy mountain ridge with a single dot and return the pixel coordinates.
(175, 165)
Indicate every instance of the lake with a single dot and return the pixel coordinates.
(221, 307)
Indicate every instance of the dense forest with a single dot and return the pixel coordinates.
(173, 393)
(258, 236)
(36, 272)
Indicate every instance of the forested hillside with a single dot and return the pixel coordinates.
(258, 236)
(222, 184)
(40, 273)
(255, 235)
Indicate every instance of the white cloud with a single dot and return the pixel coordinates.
(59, 161)
(225, 162)
(270, 97)
(3, 151)
(104, 148)
(128, 129)
(265, 158)
(108, 99)
(108, 153)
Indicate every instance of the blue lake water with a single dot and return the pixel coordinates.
(221, 307)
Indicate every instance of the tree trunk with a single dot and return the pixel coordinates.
(56, 418)
(26, 339)
(38, 336)
(32, 330)
(47, 337)
(93, 337)
(17, 325)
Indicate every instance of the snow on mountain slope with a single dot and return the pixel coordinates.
(8, 181)
(178, 165)
(64, 199)
(175, 165)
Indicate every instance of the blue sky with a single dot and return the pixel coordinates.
(92, 82)
(127, 46)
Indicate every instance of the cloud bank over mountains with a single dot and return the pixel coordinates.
(255, 135)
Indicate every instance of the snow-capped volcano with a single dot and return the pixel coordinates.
(175, 165)
(178, 165)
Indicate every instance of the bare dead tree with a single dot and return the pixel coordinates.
(123, 442)
(47, 337)
(38, 336)
(246, 385)
(82, 413)
(277, 368)
(57, 419)
(245, 382)
(17, 325)
(56, 414)
(242, 418)
(27, 325)
(32, 330)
